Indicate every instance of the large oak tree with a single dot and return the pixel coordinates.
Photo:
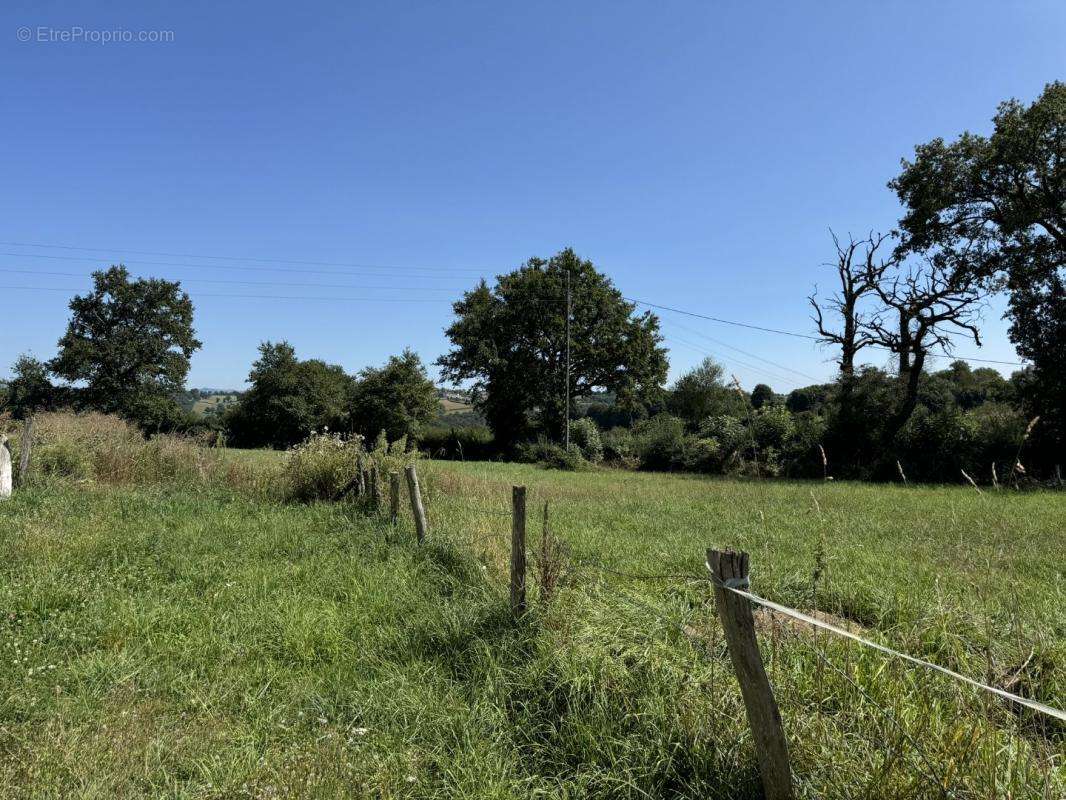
(510, 340)
(994, 208)
(127, 347)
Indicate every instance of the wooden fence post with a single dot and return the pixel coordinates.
(25, 444)
(416, 503)
(394, 497)
(375, 488)
(729, 568)
(5, 468)
(518, 551)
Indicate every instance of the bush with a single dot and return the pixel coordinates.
(109, 450)
(730, 434)
(585, 436)
(463, 444)
(619, 448)
(659, 442)
(551, 455)
(325, 466)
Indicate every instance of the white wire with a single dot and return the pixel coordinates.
(791, 612)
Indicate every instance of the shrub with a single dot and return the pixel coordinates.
(730, 434)
(326, 466)
(619, 448)
(464, 444)
(109, 450)
(551, 455)
(585, 436)
(659, 442)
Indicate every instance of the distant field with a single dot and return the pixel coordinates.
(204, 404)
(166, 641)
(451, 406)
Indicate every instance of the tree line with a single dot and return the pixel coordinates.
(541, 347)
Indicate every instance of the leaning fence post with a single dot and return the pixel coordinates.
(394, 497)
(25, 444)
(5, 468)
(416, 503)
(518, 551)
(730, 569)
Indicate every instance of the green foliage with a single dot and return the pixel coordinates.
(510, 340)
(808, 398)
(129, 343)
(585, 436)
(995, 208)
(30, 390)
(326, 465)
(398, 398)
(702, 392)
(761, 395)
(461, 444)
(730, 434)
(288, 400)
(551, 455)
(619, 448)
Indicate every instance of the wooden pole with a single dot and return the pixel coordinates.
(5, 468)
(764, 717)
(375, 488)
(416, 503)
(394, 497)
(518, 551)
(25, 444)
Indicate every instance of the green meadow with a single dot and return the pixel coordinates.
(193, 635)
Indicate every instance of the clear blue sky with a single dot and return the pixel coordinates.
(697, 152)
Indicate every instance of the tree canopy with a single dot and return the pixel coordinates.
(397, 398)
(702, 392)
(128, 343)
(288, 399)
(510, 340)
(994, 208)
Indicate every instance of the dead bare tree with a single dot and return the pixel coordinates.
(924, 306)
(859, 270)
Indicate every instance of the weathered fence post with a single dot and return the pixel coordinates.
(416, 503)
(730, 569)
(375, 488)
(25, 444)
(394, 497)
(518, 551)
(5, 468)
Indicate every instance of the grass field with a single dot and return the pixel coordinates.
(175, 641)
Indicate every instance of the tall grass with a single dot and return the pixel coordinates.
(180, 633)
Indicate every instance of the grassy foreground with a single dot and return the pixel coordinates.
(166, 641)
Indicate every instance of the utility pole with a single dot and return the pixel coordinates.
(566, 419)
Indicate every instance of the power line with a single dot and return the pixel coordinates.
(266, 296)
(236, 268)
(746, 353)
(809, 336)
(243, 283)
(240, 258)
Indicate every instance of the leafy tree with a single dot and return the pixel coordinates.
(702, 392)
(974, 387)
(129, 343)
(995, 208)
(31, 389)
(288, 399)
(398, 398)
(510, 340)
(761, 395)
(808, 398)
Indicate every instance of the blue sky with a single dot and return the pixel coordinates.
(697, 152)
